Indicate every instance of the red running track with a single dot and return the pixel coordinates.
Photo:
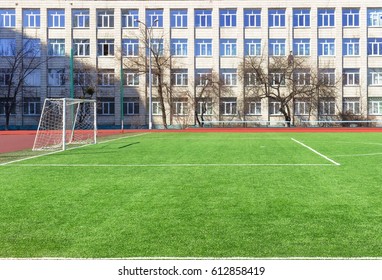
(11, 141)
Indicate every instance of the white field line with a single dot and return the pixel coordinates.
(316, 152)
(359, 155)
(174, 165)
(55, 152)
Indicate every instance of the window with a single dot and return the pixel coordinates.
(31, 106)
(156, 107)
(350, 17)
(375, 106)
(250, 78)
(326, 47)
(252, 17)
(374, 17)
(56, 47)
(203, 77)
(56, 18)
(131, 78)
(33, 79)
(31, 18)
(350, 47)
(81, 47)
(277, 78)
(228, 106)
(326, 17)
(229, 77)
(105, 47)
(179, 47)
(179, 77)
(204, 107)
(7, 18)
(3, 102)
(7, 47)
(154, 18)
(375, 76)
(80, 18)
(374, 46)
(180, 107)
(253, 106)
(301, 47)
(227, 18)
(302, 107)
(32, 47)
(276, 18)
(106, 77)
(327, 77)
(130, 19)
(131, 106)
(178, 18)
(105, 19)
(350, 77)
(228, 47)
(82, 78)
(105, 106)
(351, 105)
(5, 76)
(327, 106)
(301, 77)
(274, 107)
(203, 18)
(252, 47)
(203, 47)
(156, 47)
(130, 47)
(56, 77)
(301, 17)
(154, 79)
(277, 47)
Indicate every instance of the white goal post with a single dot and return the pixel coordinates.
(66, 121)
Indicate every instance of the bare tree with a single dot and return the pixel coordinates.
(19, 65)
(207, 87)
(85, 79)
(160, 63)
(285, 79)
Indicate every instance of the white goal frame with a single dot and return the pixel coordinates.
(66, 121)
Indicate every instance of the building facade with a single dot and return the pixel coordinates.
(92, 49)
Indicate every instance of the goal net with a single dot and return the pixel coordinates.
(66, 121)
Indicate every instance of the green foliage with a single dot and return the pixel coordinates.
(157, 195)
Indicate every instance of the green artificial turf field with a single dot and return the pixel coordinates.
(198, 195)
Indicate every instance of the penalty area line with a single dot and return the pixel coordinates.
(316, 152)
(177, 165)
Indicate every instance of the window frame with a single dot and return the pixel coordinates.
(203, 47)
(203, 18)
(56, 18)
(301, 18)
(228, 47)
(7, 18)
(29, 14)
(129, 18)
(80, 18)
(252, 18)
(277, 18)
(326, 17)
(326, 47)
(178, 18)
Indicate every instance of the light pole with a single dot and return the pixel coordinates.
(148, 32)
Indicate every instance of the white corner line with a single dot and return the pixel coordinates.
(314, 151)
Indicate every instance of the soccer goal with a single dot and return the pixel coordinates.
(66, 121)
